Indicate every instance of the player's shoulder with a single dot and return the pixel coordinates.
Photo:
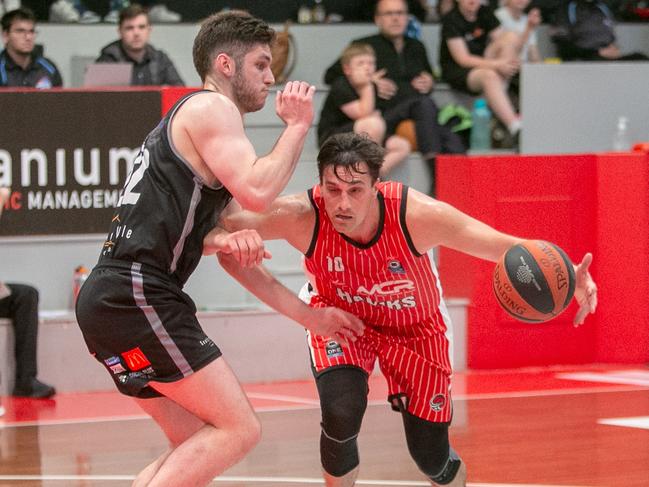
(208, 103)
(421, 207)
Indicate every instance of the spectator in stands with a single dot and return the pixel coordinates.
(585, 30)
(151, 66)
(21, 62)
(351, 106)
(477, 56)
(19, 303)
(404, 82)
(513, 18)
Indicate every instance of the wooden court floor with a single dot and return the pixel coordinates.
(558, 427)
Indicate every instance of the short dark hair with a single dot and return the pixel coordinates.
(21, 13)
(347, 151)
(132, 11)
(234, 33)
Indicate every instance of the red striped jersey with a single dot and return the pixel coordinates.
(386, 282)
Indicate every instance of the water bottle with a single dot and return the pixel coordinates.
(480, 139)
(621, 141)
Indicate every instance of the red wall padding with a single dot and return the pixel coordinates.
(596, 203)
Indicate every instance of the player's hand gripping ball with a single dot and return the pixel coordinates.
(534, 281)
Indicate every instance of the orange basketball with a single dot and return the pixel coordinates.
(534, 281)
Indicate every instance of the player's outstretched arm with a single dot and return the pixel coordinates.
(585, 290)
(432, 222)
(215, 127)
(330, 322)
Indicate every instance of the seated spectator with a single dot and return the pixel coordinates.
(19, 303)
(477, 56)
(21, 62)
(151, 66)
(404, 82)
(513, 18)
(585, 30)
(350, 106)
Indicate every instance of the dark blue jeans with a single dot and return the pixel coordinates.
(21, 306)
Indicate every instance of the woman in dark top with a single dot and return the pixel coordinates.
(477, 56)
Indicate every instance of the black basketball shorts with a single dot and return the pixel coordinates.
(141, 327)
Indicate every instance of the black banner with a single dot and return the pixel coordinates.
(66, 154)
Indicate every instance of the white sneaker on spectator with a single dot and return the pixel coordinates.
(161, 14)
(8, 6)
(89, 17)
(63, 11)
(112, 17)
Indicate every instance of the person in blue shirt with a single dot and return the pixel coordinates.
(22, 63)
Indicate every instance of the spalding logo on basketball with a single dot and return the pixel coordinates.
(534, 281)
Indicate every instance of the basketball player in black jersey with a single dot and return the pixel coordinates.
(135, 318)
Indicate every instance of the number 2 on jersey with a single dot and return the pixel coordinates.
(140, 164)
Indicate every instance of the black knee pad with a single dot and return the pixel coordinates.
(343, 400)
(429, 447)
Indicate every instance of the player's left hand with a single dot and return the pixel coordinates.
(246, 246)
(585, 290)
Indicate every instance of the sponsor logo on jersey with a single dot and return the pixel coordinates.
(135, 359)
(395, 267)
(112, 361)
(117, 368)
(438, 402)
(206, 341)
(333, 349)
(376, 295)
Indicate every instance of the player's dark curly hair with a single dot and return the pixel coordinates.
(346, 151)
(234, 33)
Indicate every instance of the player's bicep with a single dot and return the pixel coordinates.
(217, 134)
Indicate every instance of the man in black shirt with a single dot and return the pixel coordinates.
(404, 82)
(151, 66)
(22, 63)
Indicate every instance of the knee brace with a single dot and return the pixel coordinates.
(343, 400)
(429, 447)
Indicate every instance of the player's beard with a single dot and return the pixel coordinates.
(246, 97)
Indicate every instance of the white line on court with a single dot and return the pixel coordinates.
(635, 422)
(310, 404)
(268, 480)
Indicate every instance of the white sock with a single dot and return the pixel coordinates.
(515, 126)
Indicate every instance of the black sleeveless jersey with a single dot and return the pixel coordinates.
(165, 209)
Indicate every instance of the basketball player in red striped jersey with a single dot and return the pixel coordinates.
(367, 249)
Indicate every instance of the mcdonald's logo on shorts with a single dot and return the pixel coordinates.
(135, 359)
